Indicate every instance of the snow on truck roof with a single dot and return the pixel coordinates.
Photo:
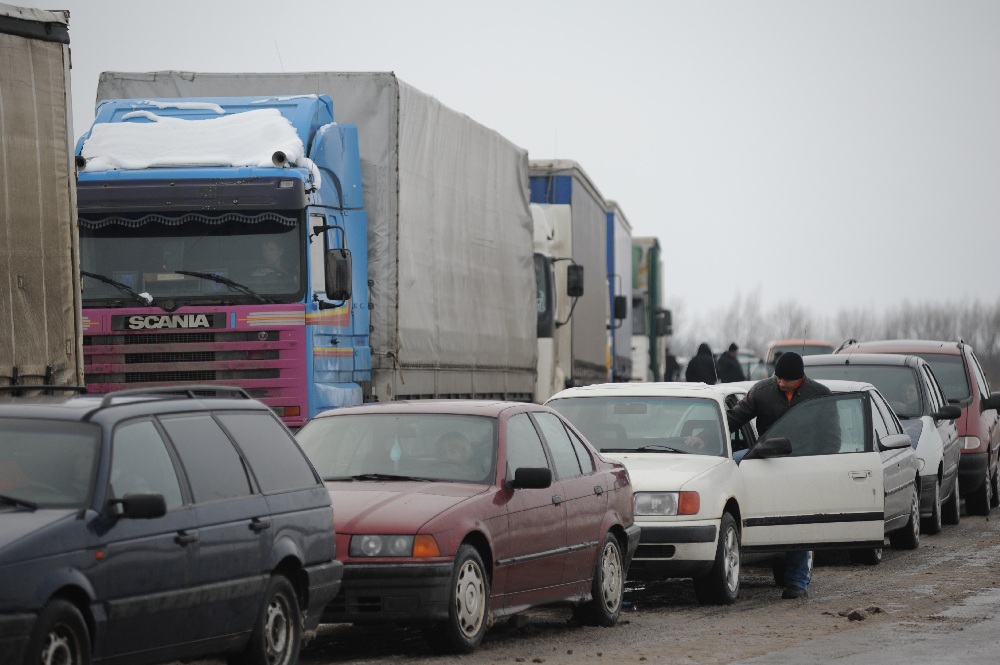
(146, 140)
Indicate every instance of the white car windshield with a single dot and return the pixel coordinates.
(647, 424)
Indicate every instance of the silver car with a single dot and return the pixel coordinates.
(909, 385)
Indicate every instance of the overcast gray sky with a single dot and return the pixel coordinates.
(837, 153)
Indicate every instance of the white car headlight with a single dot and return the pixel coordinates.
(666, 503)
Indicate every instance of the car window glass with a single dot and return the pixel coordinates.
(524, 448)
(274, 457)
(936, 396)
(984, 386)
(824, 425)
(141, 464)
(689, 424)
(582, 453)
(567, 465)
(889, 420)
(48, 462)
(879, 429)
(431, 446)
(214, 468)
(951, 374)
(897, 383)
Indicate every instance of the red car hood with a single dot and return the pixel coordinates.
(393, 506)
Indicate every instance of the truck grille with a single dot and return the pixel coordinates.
(133, 359)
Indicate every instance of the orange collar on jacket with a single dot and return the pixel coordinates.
(789, 394)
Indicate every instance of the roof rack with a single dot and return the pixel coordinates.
(48, 389)
(187, 392)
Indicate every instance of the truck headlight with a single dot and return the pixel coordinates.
(372, 545)
(666, 503)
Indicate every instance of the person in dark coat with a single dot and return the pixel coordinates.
(768, 400)
(702, 366)
(729, 366)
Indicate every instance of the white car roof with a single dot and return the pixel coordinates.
(718, 392)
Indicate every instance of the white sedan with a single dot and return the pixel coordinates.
(698, 510)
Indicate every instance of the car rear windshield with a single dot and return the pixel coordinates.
(897, 384)
(48, 463)
(441, 447)
(647, 424)
(951, 374)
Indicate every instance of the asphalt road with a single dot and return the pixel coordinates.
(937, 604)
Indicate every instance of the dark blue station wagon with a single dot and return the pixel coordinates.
(148, 526)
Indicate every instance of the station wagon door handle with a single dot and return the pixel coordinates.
(557, 499)
(598, 489)
(183, 538)
(259, 525)
(860, 475)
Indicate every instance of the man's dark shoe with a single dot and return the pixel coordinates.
(792, 592)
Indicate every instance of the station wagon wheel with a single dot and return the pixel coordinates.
(908, 537)
(952, 512)
(468, 600)
(60, 636)
(933, 523)
(277, 631)
(722, 583)
(607, 589)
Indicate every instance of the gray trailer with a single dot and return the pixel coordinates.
(450, 267)
(563, 184)
(40, 320)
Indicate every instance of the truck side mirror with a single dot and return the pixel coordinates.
(621, 307)
(664, 323)
(574, 280)
(338, 274)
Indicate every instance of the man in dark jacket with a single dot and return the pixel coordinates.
(768, 400)
(702, 366)
(729, 366)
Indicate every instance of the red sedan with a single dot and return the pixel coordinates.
(451, 514)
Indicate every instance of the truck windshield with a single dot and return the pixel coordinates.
(145, 253)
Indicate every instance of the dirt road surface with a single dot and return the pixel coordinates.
(917, 602)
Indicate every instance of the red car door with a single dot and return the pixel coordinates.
(530, 552)
(584, 497)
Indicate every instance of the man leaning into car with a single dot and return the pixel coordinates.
(768, 400)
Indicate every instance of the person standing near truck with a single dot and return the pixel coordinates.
(767, 401)
(702, 366)
(729, 366)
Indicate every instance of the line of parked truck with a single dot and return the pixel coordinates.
(416, 253)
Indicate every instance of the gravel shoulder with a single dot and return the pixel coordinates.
(949, 584)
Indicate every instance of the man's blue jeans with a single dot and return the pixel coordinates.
(798, 572)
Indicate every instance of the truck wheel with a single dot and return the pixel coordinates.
(932, 524)
(722, 583)
(952, 509)
(468, 610)
(277, 631)
(908, 537)
(60, 636)
(607, 589)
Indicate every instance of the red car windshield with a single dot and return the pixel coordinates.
(426, 446)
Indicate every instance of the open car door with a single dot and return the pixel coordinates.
(828, 493)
